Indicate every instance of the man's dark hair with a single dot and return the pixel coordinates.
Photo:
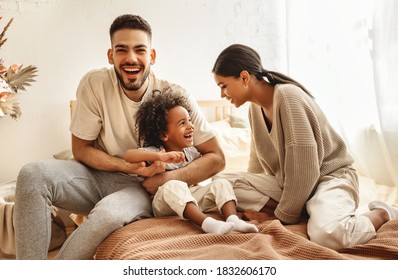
(129, 21)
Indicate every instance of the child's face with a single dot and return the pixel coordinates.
(179, 130)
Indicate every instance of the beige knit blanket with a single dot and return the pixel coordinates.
(7, 239)
(174, 238)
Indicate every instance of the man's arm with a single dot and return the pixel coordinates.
(210, 163)
(85, 152)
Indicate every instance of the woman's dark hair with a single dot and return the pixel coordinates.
(128, 21)
(236, 58)
(152, 116)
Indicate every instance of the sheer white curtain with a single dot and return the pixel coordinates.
(346, 53)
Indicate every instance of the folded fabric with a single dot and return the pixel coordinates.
(7, 238)
(7, 232)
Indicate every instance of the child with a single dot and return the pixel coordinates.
(170, 140)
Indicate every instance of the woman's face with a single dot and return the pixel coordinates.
(233, 89)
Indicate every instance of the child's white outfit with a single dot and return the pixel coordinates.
(172, 197)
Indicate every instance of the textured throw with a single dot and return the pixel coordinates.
(176, 239)
(7, 239)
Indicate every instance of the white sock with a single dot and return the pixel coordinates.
(211, 225)
(391, 210)
(240, 225)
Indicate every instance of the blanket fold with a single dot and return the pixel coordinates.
(176, 239)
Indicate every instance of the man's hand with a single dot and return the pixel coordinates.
(211, 162)
(135, 167)
(151, 170)
(151, 184)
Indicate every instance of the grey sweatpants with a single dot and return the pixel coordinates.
(109, 200)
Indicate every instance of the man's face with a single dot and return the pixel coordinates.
(132, 57)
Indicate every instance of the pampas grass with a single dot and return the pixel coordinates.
(12, 79)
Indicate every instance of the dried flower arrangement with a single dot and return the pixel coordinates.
(12, 79)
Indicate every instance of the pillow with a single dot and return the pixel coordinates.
(65, 155)
(238, 121)
(234, 141)
(7, 191)
(221, 124)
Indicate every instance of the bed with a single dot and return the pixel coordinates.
(172, 238)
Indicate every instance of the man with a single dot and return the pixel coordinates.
(99, 183)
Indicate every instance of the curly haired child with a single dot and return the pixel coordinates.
(166, 132)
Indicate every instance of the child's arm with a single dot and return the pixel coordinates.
(142, 155)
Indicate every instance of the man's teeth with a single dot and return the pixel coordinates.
(131, 70)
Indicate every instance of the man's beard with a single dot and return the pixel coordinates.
(133, 84)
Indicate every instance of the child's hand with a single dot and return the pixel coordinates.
(172, 157)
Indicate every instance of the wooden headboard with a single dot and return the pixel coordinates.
(72, 105)
(214, 110)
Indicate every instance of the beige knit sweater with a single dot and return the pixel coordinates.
(300, 150)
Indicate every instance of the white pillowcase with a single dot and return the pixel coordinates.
(235, 143)
(65, 155)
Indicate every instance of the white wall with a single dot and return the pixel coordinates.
(66, 38)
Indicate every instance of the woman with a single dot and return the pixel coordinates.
(297, 160)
